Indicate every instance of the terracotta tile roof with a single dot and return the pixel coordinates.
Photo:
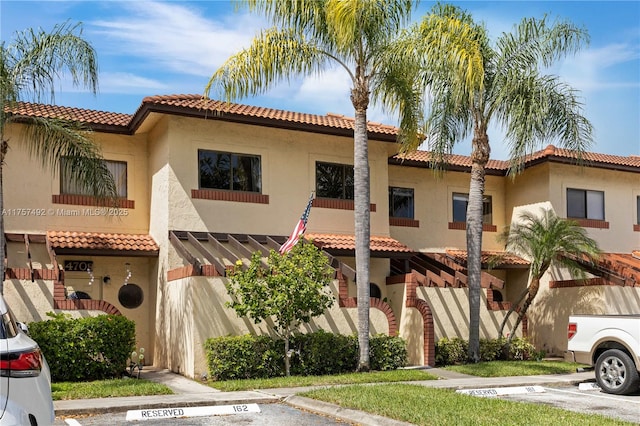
(347, 242)
(550, 153)
(87, 116)
(624, 265)
(197, 102)
(424, 157)
(588, 157)
(101, 241)
(506, 259)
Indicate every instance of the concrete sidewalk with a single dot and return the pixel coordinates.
(190, 393)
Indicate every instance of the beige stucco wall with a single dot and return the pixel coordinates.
(450, 309)
(434, 208)
(194, 310)
(549, 314)
(288, 176)
(33, 190)
(549, 182)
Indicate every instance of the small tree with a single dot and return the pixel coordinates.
(291, 289)
(546, 240)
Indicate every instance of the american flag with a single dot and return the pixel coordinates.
(298, 231)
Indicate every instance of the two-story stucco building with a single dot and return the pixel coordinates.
(203, 184)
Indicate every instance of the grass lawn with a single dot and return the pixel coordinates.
(341, 379)
(426, 406)
(515, 368)
(107, 388)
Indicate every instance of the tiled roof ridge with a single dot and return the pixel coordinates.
(121, 122)
(260, 111)
(86, 115)
(550, 151)
(101, 240)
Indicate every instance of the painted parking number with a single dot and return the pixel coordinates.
(240, 408)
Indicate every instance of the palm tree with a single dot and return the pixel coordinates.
(29, 65)
(310, 37)
(546, 241)
(516, 95)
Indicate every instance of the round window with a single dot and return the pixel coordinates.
(130, 296)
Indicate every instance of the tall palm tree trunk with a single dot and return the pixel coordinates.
(479, 158)
(362, 196)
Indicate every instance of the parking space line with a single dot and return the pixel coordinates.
(592, 394)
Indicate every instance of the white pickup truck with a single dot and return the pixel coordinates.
(610, 344)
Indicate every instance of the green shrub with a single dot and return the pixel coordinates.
(492, 349)
(243, 357)
(321, 353)
(451, 351)
(81, 349)
(521, 349)
(454, 351)
(318, 353)
(387, 352)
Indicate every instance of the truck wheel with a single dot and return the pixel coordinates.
(616, 373)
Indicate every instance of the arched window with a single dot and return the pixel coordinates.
(374, 291)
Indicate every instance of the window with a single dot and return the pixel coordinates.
(118, 170)
(638, 209)
(374, 291)
(234, 172)
(401, 202)
(585, 204)
(334, 181)
(460, 202)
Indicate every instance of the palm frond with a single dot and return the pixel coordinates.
(36, 59)
(547, 240)
(66, 144)
(536, 109)
(273, 56)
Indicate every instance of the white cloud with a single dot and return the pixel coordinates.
(124, 82)
(175, 36)
(591, 69)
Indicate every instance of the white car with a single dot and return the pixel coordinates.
(25, 380)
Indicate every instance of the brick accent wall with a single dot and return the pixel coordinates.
(237, 196)
(86, 200)
(429, 348)
(339, 204)
(592, 223)
(60, 302)
(496, 306)
(190, 271)
(344, 301)
(578, 283)
(636, 228)
(86, 304)
(403, 221)
(25, 274)
(463, 226)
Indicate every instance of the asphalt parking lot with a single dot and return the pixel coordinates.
(590, 401)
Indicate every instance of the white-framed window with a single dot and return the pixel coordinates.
(585, 204)
(118, 170)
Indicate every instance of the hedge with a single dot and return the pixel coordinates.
(85, 349)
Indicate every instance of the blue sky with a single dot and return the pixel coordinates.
(156, 48)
